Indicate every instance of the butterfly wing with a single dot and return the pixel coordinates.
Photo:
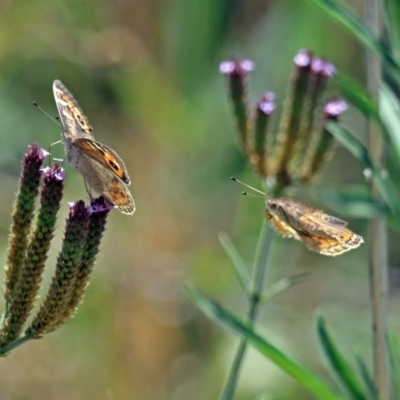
(328, 235)
(120, 196)
(103, 181)
(72, 117)
(104, 155)
(281, 228)
(320, 232)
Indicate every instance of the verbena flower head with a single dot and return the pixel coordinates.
(283, 156)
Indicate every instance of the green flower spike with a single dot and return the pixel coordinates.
(50, 314)
(23, 213)
(24, 293)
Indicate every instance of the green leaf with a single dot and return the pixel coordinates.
(359, 151)
(294, 368)
(390, 114)
(237, 261)
(337, 362)
(347, 19)
(366, 376)
(394, 358)
(353, 200)
(361, 99)
(282, 285)
(392, 11)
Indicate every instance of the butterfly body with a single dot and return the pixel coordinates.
(101, 167)
(320, 232)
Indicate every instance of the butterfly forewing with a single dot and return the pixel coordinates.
(100, 166)
(106, 156)
(72, 117)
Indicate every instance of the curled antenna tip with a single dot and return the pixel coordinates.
(244, 193)
(34, 103)
(233, 178)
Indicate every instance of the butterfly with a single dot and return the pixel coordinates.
(320, 232)
(100, 166)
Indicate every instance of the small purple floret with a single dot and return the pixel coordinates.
(55, 171)
(303, 58)
(235, 66)
(266, 103)
(99, 205)
(317, 65)
(329, 69)
(334, 108)
(44, 153)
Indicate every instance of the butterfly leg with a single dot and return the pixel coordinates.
(50, 158)
(88, 190)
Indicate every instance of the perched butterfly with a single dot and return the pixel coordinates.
(320, 232)
(100, 166)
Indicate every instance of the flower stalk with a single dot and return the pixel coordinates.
(28, 250)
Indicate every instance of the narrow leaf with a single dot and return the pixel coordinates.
(353, 200)
(392, 11)
(366, 376)
(295, 369)
(282, 285)
(347, 19)
(394, 358)
(390, 114)
(359, 151)
(337, 362)
(237, 261)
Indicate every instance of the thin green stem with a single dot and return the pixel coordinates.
(257, 286)
(11, 346)
(378, 237)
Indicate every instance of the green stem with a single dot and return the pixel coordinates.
(378, 268)
(257, 287)
(11, 346)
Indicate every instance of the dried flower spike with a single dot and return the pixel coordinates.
(22, 216)
(320, 148)
(321, 72)
(258, 153)
(291, 118)
(236, 71)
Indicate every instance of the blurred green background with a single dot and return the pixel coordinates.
(146, 75)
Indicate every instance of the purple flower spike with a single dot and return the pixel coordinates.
(335, 108)
(235, 66)
(266, 104)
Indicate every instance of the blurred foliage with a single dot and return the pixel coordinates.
(146, 75)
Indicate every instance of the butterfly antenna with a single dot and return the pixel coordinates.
(57, 120)
(253, 195)
(248, 186)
